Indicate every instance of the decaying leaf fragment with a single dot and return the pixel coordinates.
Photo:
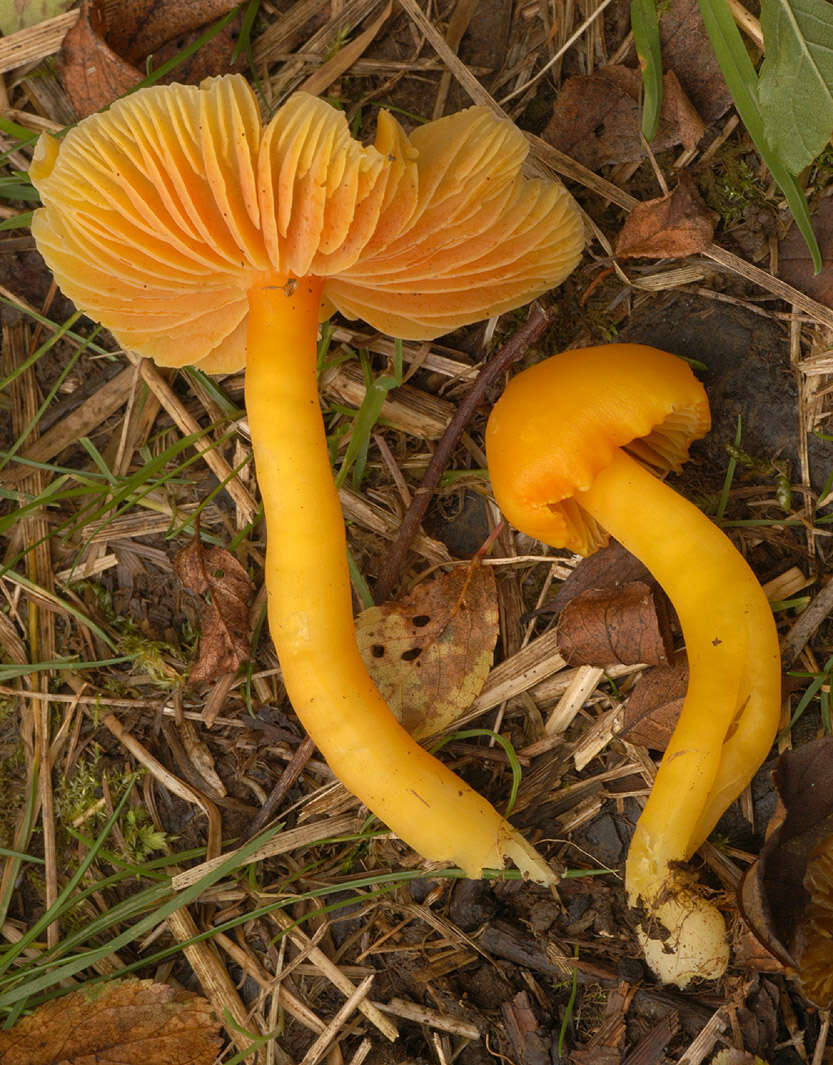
(596, 117)
(654, 705)
(104, 54)
(225, 593)
(609, 567)
(126, 1022)
(795, 265)
(626, 624)
(787, 895)
(687, 51)
(669, 227)
(430, 653)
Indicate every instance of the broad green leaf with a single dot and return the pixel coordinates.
(796, 82)
(645, 26)
(743, 84)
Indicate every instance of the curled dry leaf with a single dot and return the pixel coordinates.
(104, 54)
(129, 1022)
(655, 703)
(430, 653)
(596, 117)
(669, 227)
(225, 593)
(787, 895)
(627, 624)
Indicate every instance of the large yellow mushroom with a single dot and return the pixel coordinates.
(198, 237)
(573, 446)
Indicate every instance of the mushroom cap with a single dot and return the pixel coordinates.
(558, 424)
(160, 214)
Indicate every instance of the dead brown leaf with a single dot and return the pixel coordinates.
(609, 567)
(669, 227)
(794, 263)
(430, 653)
(140, 28)
(687, 51)
(93, 74)
(123, 1022)
(626, 624)
(655, 703)
(225, 591)
(105, 53)
(596, 117)
(785, 896)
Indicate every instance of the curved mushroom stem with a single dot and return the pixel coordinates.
(310, 607)
(731, 711)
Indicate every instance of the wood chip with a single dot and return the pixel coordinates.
(406, 408)
(319, 1048)
(585, 681)
(411, 1011)
(284, 842)
(35, 42)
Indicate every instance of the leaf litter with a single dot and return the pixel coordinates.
(128, 1022)
(410, 941)
(225, 591)
(430, 652)
(106, 52)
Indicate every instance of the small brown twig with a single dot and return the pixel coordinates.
(533, 328)
(285, 781)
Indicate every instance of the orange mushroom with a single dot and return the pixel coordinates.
(198, 237)
(571, 445)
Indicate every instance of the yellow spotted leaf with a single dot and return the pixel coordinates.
(430, 653)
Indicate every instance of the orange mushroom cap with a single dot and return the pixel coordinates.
(161, 213)
(599, 399)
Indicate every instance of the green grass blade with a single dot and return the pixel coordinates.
(22, 838)
(135, 931)
(18, 221)
(743, 84)
(39, 926)
(8, 673)
(645, 27)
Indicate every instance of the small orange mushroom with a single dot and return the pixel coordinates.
(571, 445)
(198, 237)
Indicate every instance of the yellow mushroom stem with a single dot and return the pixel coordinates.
(731, 710)
(310, 607)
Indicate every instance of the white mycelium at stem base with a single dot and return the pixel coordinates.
(555, 444)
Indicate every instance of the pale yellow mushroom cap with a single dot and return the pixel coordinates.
(161, 213)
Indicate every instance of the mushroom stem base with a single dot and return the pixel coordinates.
(311, 615)
(732, 708)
